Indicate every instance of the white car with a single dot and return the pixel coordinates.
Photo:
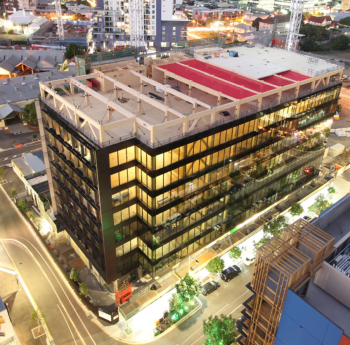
(248, 258)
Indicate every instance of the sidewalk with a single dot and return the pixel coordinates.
(18, 303)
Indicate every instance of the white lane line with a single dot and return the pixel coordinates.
(67, 323)
(235, 309)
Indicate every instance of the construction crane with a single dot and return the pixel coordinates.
(296, 16)
(59, 20)
(137, 26)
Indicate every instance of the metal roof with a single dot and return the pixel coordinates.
(7, 109)
(27, 87)
(34, 162)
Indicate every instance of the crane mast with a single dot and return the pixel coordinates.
(137, 26)
(296, 16)
(59, 20)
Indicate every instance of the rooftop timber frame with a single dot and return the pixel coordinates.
(98, 127)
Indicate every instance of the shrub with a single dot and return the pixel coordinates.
(215, 265)
(23, 206)
(235, 253)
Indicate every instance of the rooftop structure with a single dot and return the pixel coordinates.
(186, 95)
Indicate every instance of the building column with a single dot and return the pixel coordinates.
(46, 157)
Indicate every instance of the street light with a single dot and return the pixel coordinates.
(189, 263)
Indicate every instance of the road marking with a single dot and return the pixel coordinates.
(235, 309)
(66, 323)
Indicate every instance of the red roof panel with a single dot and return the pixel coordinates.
(293, 75)
(230, 76)
(208, 81)
(273, 79)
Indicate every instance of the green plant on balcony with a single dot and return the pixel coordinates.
(296, 174)
(235, 175)
(118, 235)
(156, 242)
(270, 192)
(327, 132)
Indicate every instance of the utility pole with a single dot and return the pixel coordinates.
(296, 16)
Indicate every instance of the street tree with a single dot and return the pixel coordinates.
(29, 113)
(235, 253)
(215, 265)
(331, 191)
(256, 23)
(321, 204)
(275, 227)
(345, 21)
(296, 210)
(341, 42)
(84, 290)
(13, 193)
(37, 316)
(175, 303)
(219, 330)
(188, 288)
(73, 50)
(2, 171)
(74, 275)
(23, 205)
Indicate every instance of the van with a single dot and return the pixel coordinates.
(248, 258)
(174, 218)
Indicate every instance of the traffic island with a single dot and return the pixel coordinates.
(173, 319)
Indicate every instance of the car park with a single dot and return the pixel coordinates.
(230, 272)
(210, 287)
(248, 181)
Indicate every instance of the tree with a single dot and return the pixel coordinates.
(341, 42)
(74, 275)
(2, 171)
(73, 50)
(296, 209)
(23, 206)
(84, 290)
(275, 227)
(37, 316)
(345, 21)
(235, 253)
(10, 32)
(29, 113)
(256, 22)
(219, 330)
(321, 204)
(331, 191)
(215, 265)
(13, 193)
(175, 302)
(79, 16)
(31, 216)
(309, 45)
(188, 288)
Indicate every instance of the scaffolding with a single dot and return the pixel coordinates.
(60, 29)
(283, 263)
(296, 16)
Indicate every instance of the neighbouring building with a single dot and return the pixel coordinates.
(218, 14)
(263, 37)
(145, 171)
(163, 25)
(250, 17)
(242, 28)
(304, 298)
(319, 21)
(9, 335)
(278, 23)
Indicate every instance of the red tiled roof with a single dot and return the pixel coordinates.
(319, 20)
(280, 19)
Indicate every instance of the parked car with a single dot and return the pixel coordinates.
(235, 188)
(310, 216)
(229, 273)
(309, 170)
(224, 113)
(248, 181)
(210, 287)
(248, 258)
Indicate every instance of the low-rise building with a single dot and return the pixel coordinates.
(220, 14)
(261, 37)
(243, 28)
(319, 21)
(282, 24)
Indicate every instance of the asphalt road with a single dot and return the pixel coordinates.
(6, 156)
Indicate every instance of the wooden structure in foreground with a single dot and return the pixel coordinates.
(286, 262)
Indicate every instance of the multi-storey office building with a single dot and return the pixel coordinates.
(145, 171)
(163, 25)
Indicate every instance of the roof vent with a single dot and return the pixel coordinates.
(16, 89)
(32, 86)
(24, 83)
(36, 78)
(5, 83)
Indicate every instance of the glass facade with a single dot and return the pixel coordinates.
(161, 205)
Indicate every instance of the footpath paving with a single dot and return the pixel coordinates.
(19, 306)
